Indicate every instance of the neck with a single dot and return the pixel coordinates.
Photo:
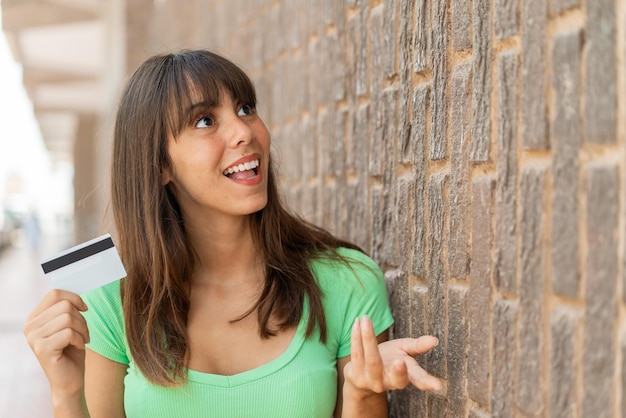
(227, 253)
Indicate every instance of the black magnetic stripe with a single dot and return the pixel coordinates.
(77, 255)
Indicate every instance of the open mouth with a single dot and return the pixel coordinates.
(243, 171)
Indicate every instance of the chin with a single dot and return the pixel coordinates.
(256, 207)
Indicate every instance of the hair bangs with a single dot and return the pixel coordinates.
(199, 78)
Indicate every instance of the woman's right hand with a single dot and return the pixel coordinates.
(57, 333)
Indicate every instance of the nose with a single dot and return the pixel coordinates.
(238, 131)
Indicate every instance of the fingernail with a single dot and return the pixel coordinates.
(437, 343)
(438, 387)
(356, 324)
(365, 322)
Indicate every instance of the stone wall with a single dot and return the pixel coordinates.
(477, 150)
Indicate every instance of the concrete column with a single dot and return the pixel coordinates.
(87, 215)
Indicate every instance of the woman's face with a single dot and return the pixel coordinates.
(219, 161)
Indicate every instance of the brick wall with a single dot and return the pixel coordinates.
(477, 149)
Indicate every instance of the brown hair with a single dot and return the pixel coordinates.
(151, 232)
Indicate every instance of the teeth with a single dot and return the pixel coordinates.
(242, 167)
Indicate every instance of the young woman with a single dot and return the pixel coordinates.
(232, 307)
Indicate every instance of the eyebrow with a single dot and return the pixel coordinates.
(191, 111)
(204, 104)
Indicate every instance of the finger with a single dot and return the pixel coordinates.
(416, 346)
(397, 376)
(52, 348)
(60, 332)
(356, 347)
(420, 378)
(59, 308)
(53, 297)
(373, 360)
(61, 315)
(63, 321)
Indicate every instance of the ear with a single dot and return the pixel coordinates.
(166, 176)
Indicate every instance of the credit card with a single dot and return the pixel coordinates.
(86, 266)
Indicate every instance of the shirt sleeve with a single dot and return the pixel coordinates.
(105, 321)
(352, 290)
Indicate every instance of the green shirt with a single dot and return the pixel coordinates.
(302, 382)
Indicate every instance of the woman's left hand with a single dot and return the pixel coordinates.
(389, 365)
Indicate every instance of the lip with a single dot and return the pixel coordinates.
(254, 180)
(243, 160)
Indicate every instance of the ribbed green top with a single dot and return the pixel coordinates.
(301, 382)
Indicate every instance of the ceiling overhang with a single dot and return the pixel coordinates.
(61, 47)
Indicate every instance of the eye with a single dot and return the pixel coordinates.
(204, 122)
(245, 110)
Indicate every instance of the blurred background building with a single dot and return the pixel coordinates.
(73, 63)
(477, 149)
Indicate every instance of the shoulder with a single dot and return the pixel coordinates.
(352, 285)
(107, 295)
(105, 306)
(348, 268)
(349, 277)
(105, 319)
